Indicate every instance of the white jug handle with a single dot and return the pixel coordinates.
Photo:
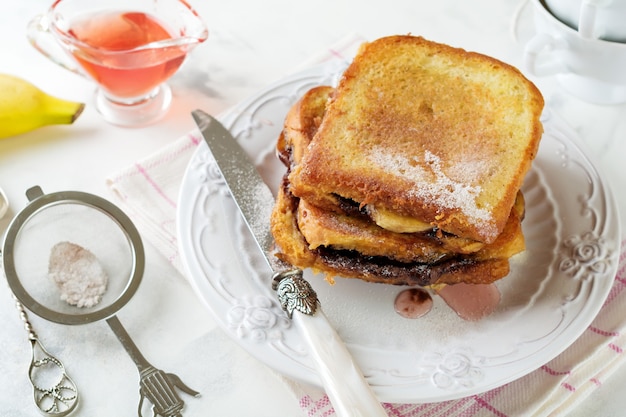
(540, 58)
(587, 18)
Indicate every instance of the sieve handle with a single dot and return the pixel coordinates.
(158, 387)
(60, 399)
(58, 396)
(127, 342)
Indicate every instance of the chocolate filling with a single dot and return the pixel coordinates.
(385, 270)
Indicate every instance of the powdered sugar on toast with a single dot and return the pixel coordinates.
(433, 184)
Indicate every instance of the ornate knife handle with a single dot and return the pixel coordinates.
(341, 377)
(294, 292)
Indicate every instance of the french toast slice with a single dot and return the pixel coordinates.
(301, 124)
(347, 243)
(294, 249)
(323, 228)
(425, 131)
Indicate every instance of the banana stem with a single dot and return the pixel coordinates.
(61, 111)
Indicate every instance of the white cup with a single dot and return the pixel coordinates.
(591, 69)
(603, 19)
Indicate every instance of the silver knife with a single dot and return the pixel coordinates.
(342, 379)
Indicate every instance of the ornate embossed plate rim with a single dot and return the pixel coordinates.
(237, 291)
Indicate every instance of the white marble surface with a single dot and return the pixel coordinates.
(250, 45)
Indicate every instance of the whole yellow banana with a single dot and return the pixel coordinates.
(24, 107)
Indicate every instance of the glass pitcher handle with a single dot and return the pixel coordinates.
(39, 35)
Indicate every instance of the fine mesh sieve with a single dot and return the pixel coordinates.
(81, 219)
(75, 258)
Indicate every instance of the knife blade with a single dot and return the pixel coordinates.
(345, 385)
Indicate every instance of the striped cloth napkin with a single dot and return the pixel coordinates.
(148, 192)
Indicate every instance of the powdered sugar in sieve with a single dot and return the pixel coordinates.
(78, 274)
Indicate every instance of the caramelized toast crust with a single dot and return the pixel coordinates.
(428, 132)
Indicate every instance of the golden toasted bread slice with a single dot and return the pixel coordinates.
(301, 124)
(323, 228)
(292, 247)
(426, 131)
(346, 242)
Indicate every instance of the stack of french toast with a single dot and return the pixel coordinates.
(409, 171)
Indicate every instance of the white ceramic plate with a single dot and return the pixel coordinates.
(555, 289)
